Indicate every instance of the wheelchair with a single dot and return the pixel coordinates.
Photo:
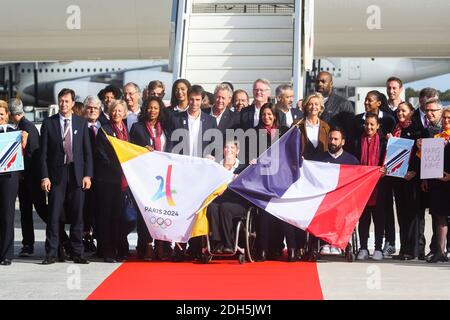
(245, 240)
(350, 252)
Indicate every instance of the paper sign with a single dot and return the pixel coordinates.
(398, 153)
(432, 158)
(11, 155)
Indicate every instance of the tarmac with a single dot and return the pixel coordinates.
(27, 279)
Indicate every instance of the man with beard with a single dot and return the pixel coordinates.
(335, 154)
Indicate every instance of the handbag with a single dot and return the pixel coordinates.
(129, 213)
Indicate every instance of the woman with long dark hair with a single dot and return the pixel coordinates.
(151, 132)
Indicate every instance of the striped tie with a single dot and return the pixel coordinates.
(67, 143)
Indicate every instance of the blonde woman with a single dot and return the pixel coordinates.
(314, 132)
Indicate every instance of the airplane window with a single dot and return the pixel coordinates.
(46, 70)
(82, 70)
(76, 70)
(70, 70)
(101, 70)
(107, 70)
(52, 70)
(22, 71)
(40, 70)
(63, 70)
(88, 70)
(113, 69)
(95, 70)
(28, 70)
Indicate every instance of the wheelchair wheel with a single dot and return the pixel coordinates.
(250, 234)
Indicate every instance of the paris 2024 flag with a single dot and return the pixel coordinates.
(172, 191)
(324, 199)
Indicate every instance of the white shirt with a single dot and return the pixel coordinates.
(392, 107)
(312, 132)
(194, 125)
(289, 118)
(217, 117)
(422, 117)
(132, 118)
(256, 116)
(61, 122)
(235, 165)
(380, 115)
(336, 155)
(177, 109)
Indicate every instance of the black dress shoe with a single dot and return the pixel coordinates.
(49, 260)
(292, 256)
(438, 257)
(262, 256)
(109, 260)
(62, 257)
(226, 250)
(5, 262)
(80, 260)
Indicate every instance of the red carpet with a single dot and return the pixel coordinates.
(217, 280)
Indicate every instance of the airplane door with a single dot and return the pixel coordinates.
(354, 70)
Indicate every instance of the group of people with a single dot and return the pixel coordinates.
(72, 162)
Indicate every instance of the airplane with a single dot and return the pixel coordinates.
(84, 77)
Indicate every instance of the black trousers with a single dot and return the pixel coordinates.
(369, 213)
(267, 222)
(89, 209)
(406, 200)
(9, 186)
(30, 193)
(220, 217)
(389, 232)
(68, 195)
(111, 240)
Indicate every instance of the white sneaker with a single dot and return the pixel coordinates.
(325, 249)
(363, 254)
(335, 251)
(388, 249)
(377, 255)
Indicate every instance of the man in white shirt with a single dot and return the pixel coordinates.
(133, 98)
(394, 87)
(285, 100)
(261, 94)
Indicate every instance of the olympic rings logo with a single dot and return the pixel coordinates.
(160, 222)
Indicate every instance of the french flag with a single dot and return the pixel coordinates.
(323, 199)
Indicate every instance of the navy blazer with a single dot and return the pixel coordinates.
(31, 155)
(229, 120)
(295, 113)
(140, 136)
(107, 166)
(180, 121)
(52, 150)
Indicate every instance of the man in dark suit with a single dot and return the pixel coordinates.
(419, 117)
(92, 111)
(189, 127)
(261, 94)
(189, 138)
(30, 192)
(285, 101)
(334, 105)
(66, 170)
(225, 118)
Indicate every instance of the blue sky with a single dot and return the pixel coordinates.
(441, 83)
